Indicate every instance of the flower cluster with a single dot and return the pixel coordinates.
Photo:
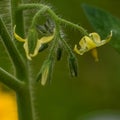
(38, 44)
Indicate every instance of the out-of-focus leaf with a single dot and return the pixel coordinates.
(103, 22)
(5, 13)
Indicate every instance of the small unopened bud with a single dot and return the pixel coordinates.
(47, 28)
(41, 29)
(45, 72)
(43, 47)
(73, 66)
(59, 53)
(32, 40)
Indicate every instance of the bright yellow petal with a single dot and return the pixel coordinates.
(82, 43)
(45, 76)
(95, 37)
(17, 37)
(76, 50)
(106, 40)
(87, 43)
(25, 46)
(95, 54)
(39, 44)
(46, 39)
(41, 41)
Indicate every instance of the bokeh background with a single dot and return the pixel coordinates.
(96, 90)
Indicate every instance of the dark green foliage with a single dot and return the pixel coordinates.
(103, 22)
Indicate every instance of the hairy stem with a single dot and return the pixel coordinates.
(11, 81)
(12, 51)
(68, 23)
(37, 15)
(54, 16)
(25, 105)
(17, 17)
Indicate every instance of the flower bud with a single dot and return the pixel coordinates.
(45, 72)
(43, 47)
(73, 65)
(59, 53)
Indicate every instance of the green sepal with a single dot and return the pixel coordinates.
(45, 72)
(43, 47)
(59, 53)
(32, 40)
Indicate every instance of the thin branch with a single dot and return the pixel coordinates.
(68, 23)
(53, 15)
(10, 80)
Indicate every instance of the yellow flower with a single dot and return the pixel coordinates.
(38, 44)
(91, 42)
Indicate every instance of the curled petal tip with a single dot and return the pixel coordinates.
(111, 32)
(17, 37)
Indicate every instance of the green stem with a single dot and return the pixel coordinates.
(23, 97)
(18, 20)
(37, 15)
(17, 17)
(54, 16)
(12, 51)
(24, 103)
(11, 81)
(69, 50)
(30, 6)
(73, 66)
(79, 28)
(55, 41)
(38, 6)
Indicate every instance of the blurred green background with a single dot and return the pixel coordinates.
(97, 87)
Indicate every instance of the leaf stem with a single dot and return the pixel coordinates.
(79, 28)
(11, 81)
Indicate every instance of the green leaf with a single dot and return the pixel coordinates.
(103, 22)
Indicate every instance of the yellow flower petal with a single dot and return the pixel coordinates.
(46, 39)
(95, 54)
(87, 43)
(41, 41)
(106, 40)
(95, 37)
(38, 45)
(45, 76)
(17, 37)
(25, 46)
(76, 50)
(91, 42)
